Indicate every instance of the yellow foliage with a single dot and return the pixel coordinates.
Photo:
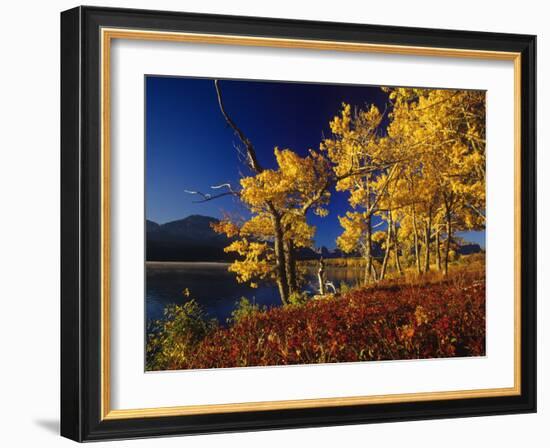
(427, 167)
(278, 199)
(225, 227)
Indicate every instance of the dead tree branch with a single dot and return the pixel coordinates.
(251, 152)
(209, 197)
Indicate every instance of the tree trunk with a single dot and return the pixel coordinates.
(291, 268)
(368, 251)
(321, 277)
(428, 231)
(427, 254)
(396, 251)
(388, 249)
(416, 251)
(437, 251)
(280, 259)
(374, 273)
(384, 265)
(366, 278)
(447, 245)
(448, 202)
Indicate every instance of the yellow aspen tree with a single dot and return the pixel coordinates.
(359, 158)
(445, 131)
(278, 201)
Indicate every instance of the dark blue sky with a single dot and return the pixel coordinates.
(189, 146)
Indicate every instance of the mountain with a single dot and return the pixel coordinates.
(188, 239)
(151, 226)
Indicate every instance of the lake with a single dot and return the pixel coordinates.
(216, 289)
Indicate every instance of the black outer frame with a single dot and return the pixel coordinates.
(80, 224)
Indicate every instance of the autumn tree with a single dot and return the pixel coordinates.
(364, 168)
(443, 132)
(423, 175)
(279, 201)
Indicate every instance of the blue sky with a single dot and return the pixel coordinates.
(189, 146)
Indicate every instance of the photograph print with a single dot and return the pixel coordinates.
(292, 223)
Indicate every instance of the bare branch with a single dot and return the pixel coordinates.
(241, 154)
(251, 152)
(226, 185)
(209, 197)
(205, 196)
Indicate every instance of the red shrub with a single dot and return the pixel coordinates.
(407, 322)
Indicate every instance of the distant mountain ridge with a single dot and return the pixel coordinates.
(188, 239)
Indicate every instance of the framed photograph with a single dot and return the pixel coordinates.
(276, 224)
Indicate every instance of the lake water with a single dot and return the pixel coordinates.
(216, 289)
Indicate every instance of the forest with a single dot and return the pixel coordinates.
(413, 174)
